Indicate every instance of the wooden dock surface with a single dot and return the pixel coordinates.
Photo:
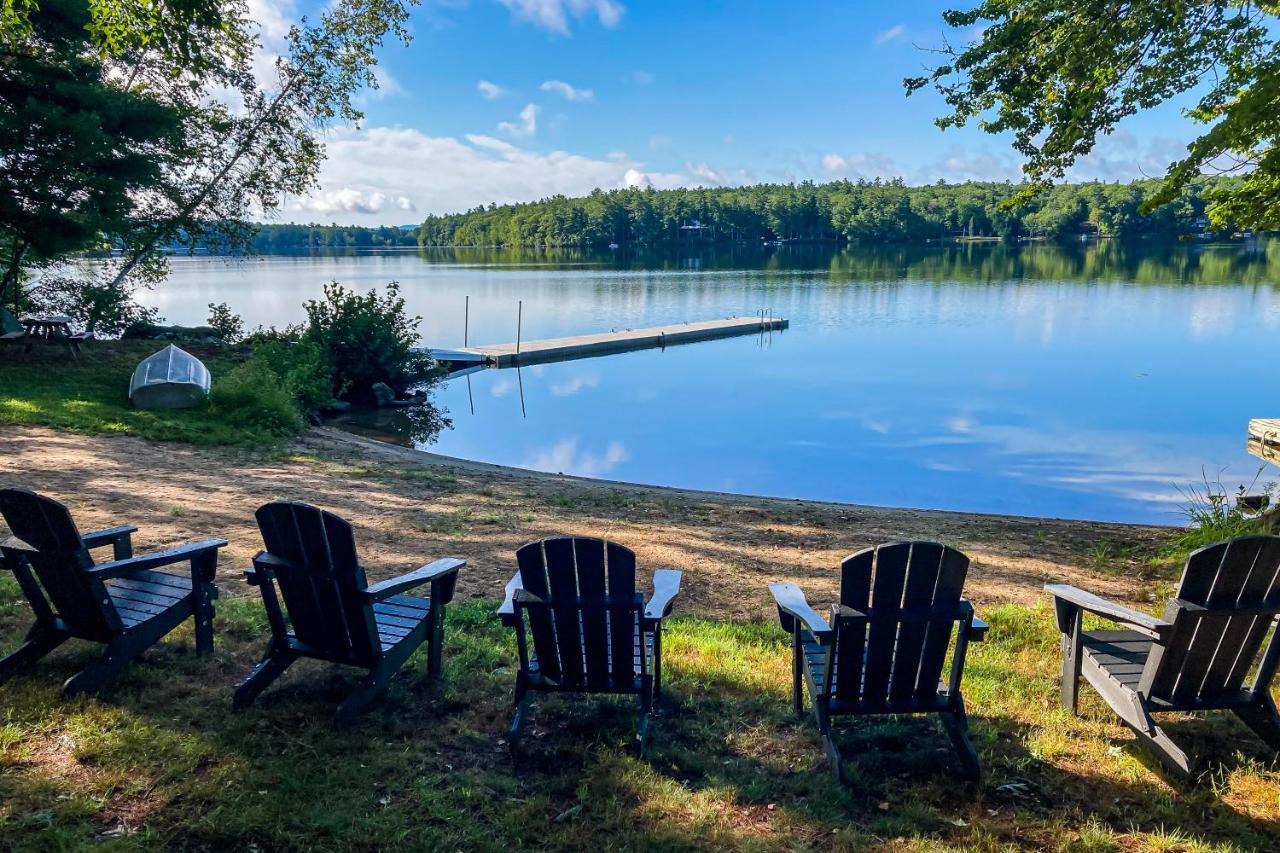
(1265, 430)
(1264, 439)
(583, 346)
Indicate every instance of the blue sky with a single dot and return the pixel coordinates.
(513, 100)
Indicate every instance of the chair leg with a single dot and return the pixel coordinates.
(203, 569)
(1168, 752)
(39, 642)
(1072, 660)
(657, 660)
(521, 715)
(646, 711)
(834, 756)
(797, 672)
(365, 694)
(97, 676)
(271, 667)
(957, 726)
(435, 641)
(1264, 720)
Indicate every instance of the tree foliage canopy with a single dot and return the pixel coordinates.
(149, 124)
(1058, 74)
(863, 211)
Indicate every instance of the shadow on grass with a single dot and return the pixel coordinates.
(163, 762)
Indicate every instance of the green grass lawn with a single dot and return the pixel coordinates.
(48, 388)
(164, 763)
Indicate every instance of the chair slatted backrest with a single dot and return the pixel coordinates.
(911, 591)
(322, 581)
(59, 561)
(586, 637)
(1209, 652)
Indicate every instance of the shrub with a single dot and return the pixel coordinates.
(368, 338)
(1214, 515)
(252, 396)
(225, 322)
(302, 367)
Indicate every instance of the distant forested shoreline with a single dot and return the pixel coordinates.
(841, 211)
(837, 212)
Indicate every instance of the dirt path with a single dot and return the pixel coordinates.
(410, 507)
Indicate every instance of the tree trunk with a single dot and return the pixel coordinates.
(11, 285)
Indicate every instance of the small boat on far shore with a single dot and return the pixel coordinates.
(170, 379)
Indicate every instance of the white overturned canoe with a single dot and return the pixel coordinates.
(170, 379)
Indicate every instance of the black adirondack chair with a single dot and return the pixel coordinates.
(884, 650)
(332, 612)
(1197, 657)
(592, 632)
(124, 603)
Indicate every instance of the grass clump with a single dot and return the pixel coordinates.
(1214, 514)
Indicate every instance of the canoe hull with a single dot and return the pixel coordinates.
(170, 379)
(169, 395)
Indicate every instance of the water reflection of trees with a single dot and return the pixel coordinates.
(1248, 262)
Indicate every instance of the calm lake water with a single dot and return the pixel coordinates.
(1095, 382)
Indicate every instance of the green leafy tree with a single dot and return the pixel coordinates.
(247, 152)
(76, 148)
(1059, 74)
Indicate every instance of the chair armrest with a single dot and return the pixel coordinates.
(792, 606)
(133, 565)
(666, 586)
(1142, 622)
(978, 630)
(507, 610)
(13, 543)
(425, 574)
(264, 568)
(110, 536)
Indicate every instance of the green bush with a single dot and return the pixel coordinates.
(225, 322)
(368, 339)
(302, 367)
(252, 396)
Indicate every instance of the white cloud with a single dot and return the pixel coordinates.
(860, 165)
(273, 17)
(554, 15)
(834, 163)
(706, 173)
(569, 93)
(491, 91)
(345, 200)
(574, 384)
(891, 34)
(528, 125)
(564, 457)
(638, 77)
(658, 141)
(449, 174)
(635, 179)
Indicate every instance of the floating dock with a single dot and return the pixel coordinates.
(585, 346)
(1264, 439)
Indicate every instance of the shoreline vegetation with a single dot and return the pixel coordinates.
(840, 212)
(163, 763)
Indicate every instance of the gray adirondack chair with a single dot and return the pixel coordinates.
(592, 632)
(1196, 657)
(885, 647)
(125, 603)
(330, 611)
